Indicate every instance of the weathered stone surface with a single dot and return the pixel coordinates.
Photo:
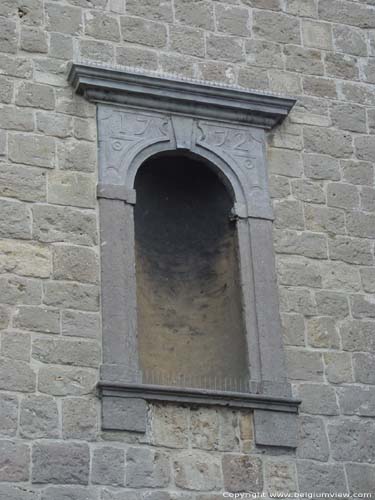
(37, 319)
(361, 224)
(325, 220)
(363, 306)
(39, 417)
(321, 167)
(16, 290)
(228, 430)
(225, 47)
(76, 155)
(360, 478)
(328, 141)
(79, 418)
(61, 463)
(68, 225)
(14, 461)
(349, 40)
(97, 51)
(349, 117)
(155, 9)
(80, 324)
(264, 27)
(341, 66)
(293, 329)
(338, 367)
(147, 468)
(9, 416)
(19, 119)
(317, 34)
(332, 304)
(356, 400)
(15, 345)
(137, 57)
(32, 150)
(16, 376)
(200, 16)
(363, 365)
(54, 124)
(232, 20)
(63, 18)
(303, 60)
(169, 426)
(313, 442)
(357, 172)
(35, 96)
(347, 13)
(66, 381)
(23, 183)
(71, 295)
(135, 29)
(101, 25)
(351, 250)
(242, 473)
(66, 351)
(297, 300)
(205, 428)
(75, 263)
(303, 365)
(352, 440)
(264, 54)
(306, 244)
(322, 333)
(281, 476)
(358, 336)
(296, 271)
(308, 191)
(8, 492)
(368, 199)
(197, 471)
(108, 466)
(365, 147)
(61, 46)
(340, 276)
(320, 478)
(15, 221)
(8, 35)
(318, 399)
(129, 414)
(69, 493)
(25, 259)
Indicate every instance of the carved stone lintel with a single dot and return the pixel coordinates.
(114, 192)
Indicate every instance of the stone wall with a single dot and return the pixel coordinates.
(321, 163)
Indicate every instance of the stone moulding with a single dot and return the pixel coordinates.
(139, 116)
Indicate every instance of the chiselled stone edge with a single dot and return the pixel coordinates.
(203, 397)
(189, 97)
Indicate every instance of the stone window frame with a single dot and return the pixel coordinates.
(139, 115)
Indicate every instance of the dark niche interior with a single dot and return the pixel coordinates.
(190, 328)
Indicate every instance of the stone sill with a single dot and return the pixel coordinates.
(194, 396)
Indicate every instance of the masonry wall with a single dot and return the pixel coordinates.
(321, 165)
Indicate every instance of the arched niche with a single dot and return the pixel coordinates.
(140, 118)
(189, 305)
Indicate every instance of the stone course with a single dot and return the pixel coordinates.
(321, 174)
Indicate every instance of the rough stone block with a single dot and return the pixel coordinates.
(288, 30)
(363, 306)
(340, 276)
(99, 24)
(228, 430)
(8, 35)
(20, 119)
(137, 57)
(296, 271)
(170, 426)
(16, 290)
(225, 48)
(80, 324)
(293, 329)
(306, 244)
(232, 19)
(297, 300)
(318, 399)
(66, 381)
(71, 295)
(14, 461)
(303, 60)
(368, 199)
(338, 367)
(79, 418)
(357, 336)
(141, 31)
(37, 319)
(63, 18)
(332, 304)
(60, 46)
(55, 124)
(304, 365)
(289, 215)
(350, 250)
(357, 172)
(321, 167)
(275, 428)
(242, 473)
(9, 492)
(25, 259)
(15, 221)
(124, 414)
(39, 417)
(16, 376)
(363, 365)
(281, 476)
(341, 66)
(361, 224)
(9, 416)
(35, 95)
(313, 442)
(69, 493)
(317, 34)
(154, 9)
(6, 89)
(321, 478)
(360, 478)
(61, 463)
(352, 440)
(205, 428)
(77, 155)
(197, 471)
(325, 220)
(20, 67)
(365, 147)
(97, 51)
(15, 345)
(328, 141)
(350, 40)
(67, 352)
(32, 150)
(75, 263)
(347, 13)
(264, 54)
(322, 333)
(64, 224)
(284, 83)
(33, 40)
(108, 466)
(199, 16)
(147, 468)
(308, 191)
(23, 183)
(355, 400)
